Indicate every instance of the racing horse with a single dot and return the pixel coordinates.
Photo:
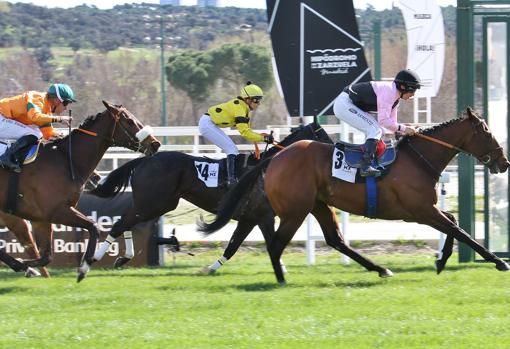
(50, 187)
(298, 181)
(159, 182)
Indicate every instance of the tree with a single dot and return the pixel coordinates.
(196, 73)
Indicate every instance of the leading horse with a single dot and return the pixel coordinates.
(159, 182)
(49, 187)
(298, 181)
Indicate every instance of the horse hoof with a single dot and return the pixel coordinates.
(206, 271)
(82, 271)
(503, 266)
(31, 273)
(120, 261)
(386, 273)
(282, 283)
(439, 264)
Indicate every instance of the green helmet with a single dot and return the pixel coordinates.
(61, 91)
(251, 91)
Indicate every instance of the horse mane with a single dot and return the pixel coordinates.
(431, 130)
(58, 142)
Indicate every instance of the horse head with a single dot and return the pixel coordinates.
(130, 133)
(484, 146)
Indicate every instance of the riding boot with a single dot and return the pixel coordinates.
(231, 170)
(15, 154)
(367, 169)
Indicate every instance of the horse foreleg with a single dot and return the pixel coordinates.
(125, 223)
(242, 230)
(447, 249)
(333, 236)
(70, 216)
(438, 220)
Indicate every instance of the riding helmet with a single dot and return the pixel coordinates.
(251, 91)
(61, 91)
(407, 81)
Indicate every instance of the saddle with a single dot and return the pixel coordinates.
(30, 154)
(385, 155)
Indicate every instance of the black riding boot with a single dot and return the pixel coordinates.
(15, 154)
(231, 170)
(367, 169)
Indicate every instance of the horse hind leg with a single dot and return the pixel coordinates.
(17, 265)
(281, 238)
(242, 230)
(329, 225)
(24, 235)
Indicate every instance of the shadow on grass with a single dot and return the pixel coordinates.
(258, 286)
(431, 268)
(15, 289)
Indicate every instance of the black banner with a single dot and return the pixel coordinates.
(69, 244)
(317, 50)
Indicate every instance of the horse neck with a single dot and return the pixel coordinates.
(88, 150)
(440, 155)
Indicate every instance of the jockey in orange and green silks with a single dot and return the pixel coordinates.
(27, 118)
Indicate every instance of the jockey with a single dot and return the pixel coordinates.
(372, 106)
(28, 117)
(235, 112)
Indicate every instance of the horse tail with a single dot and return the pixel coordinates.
(117, 180)
(231, 200)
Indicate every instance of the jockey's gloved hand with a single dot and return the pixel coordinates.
(410, 131)
(62, 118)
(268, 138)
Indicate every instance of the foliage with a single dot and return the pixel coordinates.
(328, 305)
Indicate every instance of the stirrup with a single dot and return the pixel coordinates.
(369, 172)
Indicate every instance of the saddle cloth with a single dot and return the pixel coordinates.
(213, 172)
(31, 154)
(347, 159)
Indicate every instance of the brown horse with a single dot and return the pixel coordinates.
(50, 187)
(298, 181)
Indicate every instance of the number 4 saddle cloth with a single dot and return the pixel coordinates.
(347, 160)
(213, 172)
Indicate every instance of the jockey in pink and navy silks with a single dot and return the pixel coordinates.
(372, 107)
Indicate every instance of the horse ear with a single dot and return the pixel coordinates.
(107, 105)
(315, 120)
(471, 113)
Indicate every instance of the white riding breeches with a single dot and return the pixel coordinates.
(12, 129)
(346, 111)
(215, 135)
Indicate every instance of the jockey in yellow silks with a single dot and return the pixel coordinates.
(27, 118)
(235, 112)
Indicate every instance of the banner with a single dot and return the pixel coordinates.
(425, 42)
(69, 244)
(317, 50)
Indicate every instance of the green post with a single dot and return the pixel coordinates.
(465, 97)
(163, 77)
(377, 50)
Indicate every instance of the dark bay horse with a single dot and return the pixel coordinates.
(50, 187)
(159, 182)
(298, 181)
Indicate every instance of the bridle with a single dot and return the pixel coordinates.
(485, 159)
(133, 142)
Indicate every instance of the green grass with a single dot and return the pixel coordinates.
(328, 305)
